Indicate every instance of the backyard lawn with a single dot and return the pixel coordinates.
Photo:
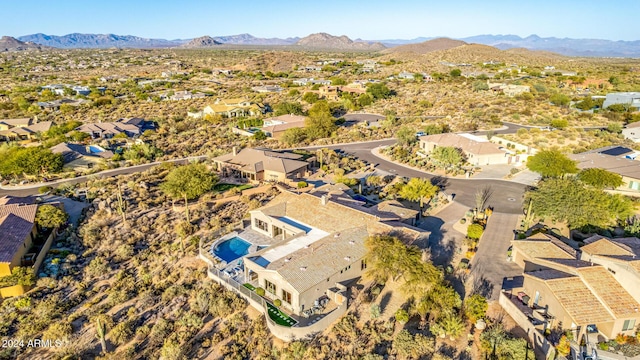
(279, 317)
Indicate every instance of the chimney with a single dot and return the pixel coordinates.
(235, 151)
(324, 200)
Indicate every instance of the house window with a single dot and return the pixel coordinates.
(363, 264)
(286, 297)
(261, 225)
(277, 231)
(270, 287)
(628, 325)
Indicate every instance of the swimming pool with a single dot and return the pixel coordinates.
(232, 249)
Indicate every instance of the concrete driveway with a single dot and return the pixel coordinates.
(443, 240)
(490, 266)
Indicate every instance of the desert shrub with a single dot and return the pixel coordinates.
(474, 231)
(260, 291)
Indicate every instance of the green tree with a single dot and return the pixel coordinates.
(439, 299)
(188, 182)
(16, 161)
(294, 136)
(379, 91)
(454, 73)
(475, 307)
(260, 135)
(49, 216)
(450, 324)
(320, 123)
(600, 178)
(551, 163)
(387, 257)
(365, 100)
(447, 156)
(406, 136)
(559, 99)
(310, 97)
(285, 108)
(613, 80)
(568, 200)
(418, 190)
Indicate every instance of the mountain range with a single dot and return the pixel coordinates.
(564, 46)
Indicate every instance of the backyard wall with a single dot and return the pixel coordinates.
(539, 342)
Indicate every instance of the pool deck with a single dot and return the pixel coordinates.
(256, 239)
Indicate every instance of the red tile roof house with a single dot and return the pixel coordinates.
(18, 232)
(595, 287)
(305, 251)
(477, 150)
(257, 165)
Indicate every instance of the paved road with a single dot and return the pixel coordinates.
(24, 191)
(507, 196)
(490, 267)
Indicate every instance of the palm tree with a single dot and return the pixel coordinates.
(418, 190)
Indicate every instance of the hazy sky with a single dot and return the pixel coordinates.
(371, 19)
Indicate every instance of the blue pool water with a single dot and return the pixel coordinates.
(232, 249)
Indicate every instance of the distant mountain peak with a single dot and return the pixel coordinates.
(428, 46)
(323, 40)
(8, 43)
(203, 41)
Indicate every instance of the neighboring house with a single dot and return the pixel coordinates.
(316, 249)
(559, 71)
(77, 156)
(55, 104)
(276, 126)
(630, 99)
(106, 130)
(22, 129)
(479, 151)
(406, 76)
(616, 159)
(566, 291)
(234, 108)
(311, 81)
(186, 95)
(57, 89)
(267, 88)
(329, 93)
(6, 124)
(17, 232)
(632, 131)
(508, 90)
(256, 165)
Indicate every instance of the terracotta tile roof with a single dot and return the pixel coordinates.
(466, 144)
(307, 266)
(258, 160)
(574, 296)
(16, 122)
(282, 127)
(609, 291)
(16, 222)
(604, 246)
(113, 128)
(542, 249)
(624, 167)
